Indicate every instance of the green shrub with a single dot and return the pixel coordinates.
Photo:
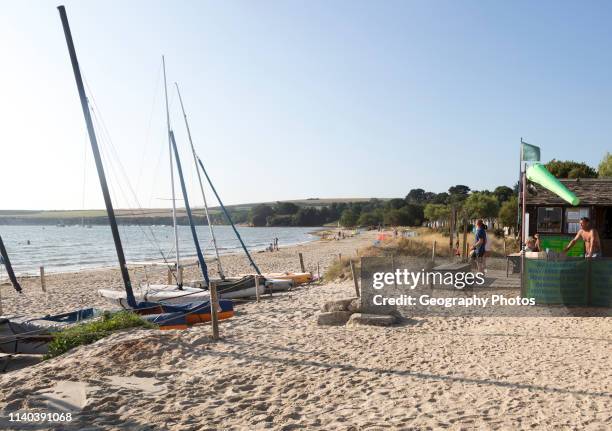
(90, 332)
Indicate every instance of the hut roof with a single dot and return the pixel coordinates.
(591, 191)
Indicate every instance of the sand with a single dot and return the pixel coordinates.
(276, 369)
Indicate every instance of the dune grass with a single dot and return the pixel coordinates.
(90, 332)
(340, 269)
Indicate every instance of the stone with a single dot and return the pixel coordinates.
(355, 305)
(337, 305)
(371, 319)
(333, 318)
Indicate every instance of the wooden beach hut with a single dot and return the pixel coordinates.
(557, 222)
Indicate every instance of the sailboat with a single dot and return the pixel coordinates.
(166, 315)
(243, 287)
(28, 335)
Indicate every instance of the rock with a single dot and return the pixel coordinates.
(371, 319)
(355, 305)
(333, 318)
(337, 305)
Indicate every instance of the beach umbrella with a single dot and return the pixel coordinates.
(538, 173)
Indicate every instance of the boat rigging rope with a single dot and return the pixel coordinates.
(107, 140)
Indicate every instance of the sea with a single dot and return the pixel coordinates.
(74, 248)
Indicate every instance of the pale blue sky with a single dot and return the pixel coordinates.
(298, 99)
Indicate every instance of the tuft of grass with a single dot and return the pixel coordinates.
(90, 332)
(341, 269)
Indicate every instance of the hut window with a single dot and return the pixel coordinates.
(549, 219)
(572, 218)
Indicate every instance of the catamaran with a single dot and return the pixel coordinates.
(165, 314)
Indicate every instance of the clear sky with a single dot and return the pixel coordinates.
(297, 99)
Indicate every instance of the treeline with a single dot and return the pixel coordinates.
(416, 208)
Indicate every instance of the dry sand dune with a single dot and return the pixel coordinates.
(276, 369)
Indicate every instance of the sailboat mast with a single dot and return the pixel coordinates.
(195, 160)
(98, 159)
(9, 267)
(229, 218)
(194, 234)
(179, 278)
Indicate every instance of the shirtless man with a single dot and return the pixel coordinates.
(592, 246)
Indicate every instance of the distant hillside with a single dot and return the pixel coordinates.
(160, 216)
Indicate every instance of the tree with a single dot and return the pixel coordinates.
(436, 212)
(395, 203)
(416, 196)
(286, 208)
(459, 190)
(348, 218)
(570, 169)
(307, 216)
(260, 213)
(503, 193)
(458, 194)
(480, 205)
(441, 198)
(370, 218)
(605, 167)
(508, 213)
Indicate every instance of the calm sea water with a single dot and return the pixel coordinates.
(72, 248)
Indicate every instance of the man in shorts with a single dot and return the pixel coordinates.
(592, 245)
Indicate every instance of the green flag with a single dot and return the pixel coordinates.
(529, 153)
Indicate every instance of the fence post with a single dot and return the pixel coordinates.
(355, 281)
(302, 262)
(214, 317)
(43, 285)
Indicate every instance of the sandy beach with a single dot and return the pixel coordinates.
(275, 368)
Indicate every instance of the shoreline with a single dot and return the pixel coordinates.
(210, 257)
(70, 290)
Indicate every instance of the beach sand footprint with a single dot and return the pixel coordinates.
(66, 396)
(148, 385)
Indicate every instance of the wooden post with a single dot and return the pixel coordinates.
(257, 287)
(465, 247)
(433, 252)
(355, 281)
(214, 317)
(170, 276)
(302, 262)
(42, 279)
(450, 230)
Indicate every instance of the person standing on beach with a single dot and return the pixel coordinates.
(479, 246)
(590, 236)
